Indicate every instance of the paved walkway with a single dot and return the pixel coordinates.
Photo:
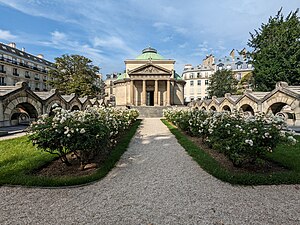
(155, 182)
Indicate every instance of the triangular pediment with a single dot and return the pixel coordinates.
(149, 69)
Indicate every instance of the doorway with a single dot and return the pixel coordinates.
(150, 98)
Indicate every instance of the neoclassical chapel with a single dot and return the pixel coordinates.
(149, 80)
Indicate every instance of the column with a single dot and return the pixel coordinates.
(131, 92)
(168, 92)
(144, 94)
(156, 93)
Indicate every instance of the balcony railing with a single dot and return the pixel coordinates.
(16, 74)
(2, 71)
(22, 64)
(2, 84)
(36, 78)
(37, 89)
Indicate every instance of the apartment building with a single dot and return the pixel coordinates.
(238, 62)
(109, 87)
(197, 81)
(19, 66)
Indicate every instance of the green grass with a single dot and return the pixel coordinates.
(18, 158)
(287, 156)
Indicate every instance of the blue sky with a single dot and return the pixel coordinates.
(110, 31)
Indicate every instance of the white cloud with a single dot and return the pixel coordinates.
(184, 45)
(113, 43)
(7, 35)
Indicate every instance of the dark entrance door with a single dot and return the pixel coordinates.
(150, 98)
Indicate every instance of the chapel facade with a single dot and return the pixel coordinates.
(149, 80)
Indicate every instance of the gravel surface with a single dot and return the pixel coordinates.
(11, 136)
(155, 182)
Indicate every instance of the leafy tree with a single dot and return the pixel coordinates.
(276, 55)
(222, 82)
(75, 74)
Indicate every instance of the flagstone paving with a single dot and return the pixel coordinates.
(155, 182)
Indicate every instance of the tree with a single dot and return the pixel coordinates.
(75, 74)
(276, 54)
(222, 82)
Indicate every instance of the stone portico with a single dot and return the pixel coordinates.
(149, 80)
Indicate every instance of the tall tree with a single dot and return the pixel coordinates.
(276, 54)
(222, 82)
(75, 74)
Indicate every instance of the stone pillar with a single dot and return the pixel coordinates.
(156, 93)
(168, 92)
(131, 92)
(144, 94)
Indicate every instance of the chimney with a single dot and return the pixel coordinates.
(12, 44)
(232, 53)
(23, 49)
(41, 56)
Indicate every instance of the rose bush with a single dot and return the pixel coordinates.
(243, 138)
(87, 134)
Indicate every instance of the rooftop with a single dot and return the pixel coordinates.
(149, 53)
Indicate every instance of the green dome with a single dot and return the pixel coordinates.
(149, 53)
(177, 77)
(121, 76)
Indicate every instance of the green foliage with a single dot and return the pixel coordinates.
(81, 132)
(75, 74)
(222, 82)
(244, 139)
(276, 55)
(288, 157)
(18, 158)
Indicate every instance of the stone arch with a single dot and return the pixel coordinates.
(75, 104)
(51, 104)
(226, 108)
(276, 107)
(75, 107)
(22, 110)
(247, 108)
(279, 100)
(213, 108)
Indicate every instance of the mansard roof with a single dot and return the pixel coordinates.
(22, 54)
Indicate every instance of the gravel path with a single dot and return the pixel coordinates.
(155, 182)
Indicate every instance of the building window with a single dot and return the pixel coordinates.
(36, 77)
(27, 74)
(2, 69)
(239, 76)
(198, 75)
(191, 83)
(206, 82)
(15, 72)
(198, 82)
(2, 81)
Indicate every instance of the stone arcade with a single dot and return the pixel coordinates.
(283, 101)
(20, 105)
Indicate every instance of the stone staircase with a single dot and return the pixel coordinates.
(150, 111)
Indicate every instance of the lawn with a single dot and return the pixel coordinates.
(287, 156)
(18, 158)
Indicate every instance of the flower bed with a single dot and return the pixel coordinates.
(242, 138)
(87, 134)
